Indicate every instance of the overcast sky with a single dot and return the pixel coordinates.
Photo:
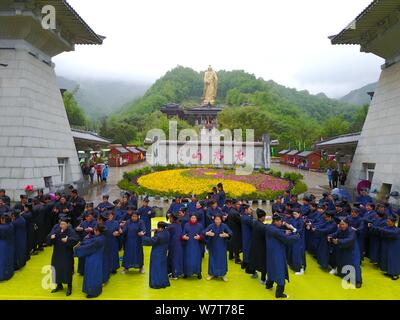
(286, 41)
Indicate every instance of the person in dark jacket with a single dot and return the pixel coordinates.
(233, 221)
(258, 250)
(63, 238)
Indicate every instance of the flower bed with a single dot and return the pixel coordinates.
(173, 181)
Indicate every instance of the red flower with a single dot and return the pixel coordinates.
(28, 188)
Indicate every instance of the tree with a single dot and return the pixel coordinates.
(335, 126)
(76, 115)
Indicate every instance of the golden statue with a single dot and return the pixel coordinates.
(210, 87)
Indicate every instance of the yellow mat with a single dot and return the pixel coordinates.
(315, 284)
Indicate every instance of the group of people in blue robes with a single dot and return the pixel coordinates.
(339, 235)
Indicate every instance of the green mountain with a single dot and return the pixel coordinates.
(99, 98)
(294, 117)
(360, 96)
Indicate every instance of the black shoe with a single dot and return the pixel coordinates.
(281, 296)
(114, 272)
(185, 276)
(395, 278)
(199, 276)
(358, 285)
(69, 292)
(58, 288)
(238, 261)
(269, 286)
(89, 296)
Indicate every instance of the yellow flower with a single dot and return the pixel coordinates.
(173, 180)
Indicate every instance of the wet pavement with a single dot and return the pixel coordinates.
(314, 180)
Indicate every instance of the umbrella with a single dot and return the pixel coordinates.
(341, 193)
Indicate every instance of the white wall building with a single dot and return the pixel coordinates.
(36, 144)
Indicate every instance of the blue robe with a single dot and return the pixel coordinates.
(158, 259)
(247, 228)
(220, 198)
(347, 252)
(364, 199)
(217, 261)
(146, 213)
(192, 250)
(84, 224)
(297, 252)
(92, 249)
(276, 241)
(390, 250)
(175, 207)
(113, 246)
(278, 208)
(358, 223)
(324, 249)
(175, 250)
(6, 251)
(133, 245)
(20, 242)
(211, 213)
(375, 239)
(191, 207)
(120, 215)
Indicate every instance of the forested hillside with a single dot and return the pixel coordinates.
(294, 117)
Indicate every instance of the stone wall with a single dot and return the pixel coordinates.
(380, 139)
(34, 129)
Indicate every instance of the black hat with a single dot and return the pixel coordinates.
(245, 206)
(87, 213)
(355, 209)
(276, 218)
(307, 198)
(131, 208)
(90, 204)
(183, 209)
(228, 201)
(260, 213)
(330, 213)
(146, 199)
(104, 215)
(321, 206)
(325, 194)
(338, 203)
(64, 218)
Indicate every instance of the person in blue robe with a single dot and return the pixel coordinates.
(133, 200)
(183, 217)
(101, 220)
(104, 205)
(213, 210)
(321, 231)
(132, 235)
(316, 217)
(191, 207)
(390, 248)
(374, 226)
(4, 208)
(294, 202)
(6, 199)
(175, 249)
(305, 207)
(297, 252)
(113, 228)
(247, 221)
(27, 214)
(158, 258)
(119, 213)
(63, 238)
(278, 206)
(276, 239)
(286, 197)
(146, 213)
(6, 247)
(357, 224)
(192, 249)
(200, 213)
(63, 207)
(20, 239)
(220, 197)
(347, 252)
(364, 197)
(85, 230)
(92, 249)
(217, 234)
(175, 206)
